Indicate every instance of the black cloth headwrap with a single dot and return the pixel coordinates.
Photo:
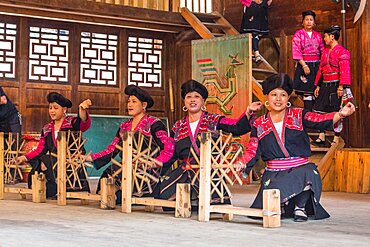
(333, 29)
(308, 12)
(59, 99)
(141, 94)
(194, 86)
(277, 81)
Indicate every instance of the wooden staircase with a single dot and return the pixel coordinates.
(214, 25)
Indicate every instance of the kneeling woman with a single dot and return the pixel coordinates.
(280, 138)
(47, 146)
(186, 130)
(138, 102)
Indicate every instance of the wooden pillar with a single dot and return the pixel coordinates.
(183, 203)
(62, 160)
(126, 185)
(205, 177)
(2, 165)
(365, 78)
(38, 188)
(108, 193)
(271, 208)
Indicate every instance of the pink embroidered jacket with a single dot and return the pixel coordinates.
(148, 126)
(47, 141)
(335, 65)
(306, 48)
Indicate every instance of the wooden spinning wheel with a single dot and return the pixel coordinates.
(144, 175)
(75, 163)
(13, 146)
(223, 156)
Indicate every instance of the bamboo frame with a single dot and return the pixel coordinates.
(70, 146)
(7, 157)
(135, 173)
(214, 160)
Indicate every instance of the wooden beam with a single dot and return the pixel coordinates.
(153, 202)
(83, 196)
(24, 191)
(228, 209)
(82, 11)
(197, 25)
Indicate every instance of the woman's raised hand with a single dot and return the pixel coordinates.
(254, 107)
(347, 110)
(86, 104)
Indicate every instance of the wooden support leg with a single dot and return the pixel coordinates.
(149, 208)
(38, 188)
(183, 204)
(205, 177)
(62, 160)
(126, 185)
(271, 208)
(228, 217)
(108, 193)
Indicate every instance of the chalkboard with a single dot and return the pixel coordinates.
(101, 133)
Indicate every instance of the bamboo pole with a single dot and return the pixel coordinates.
(126, 185)
(62, 160)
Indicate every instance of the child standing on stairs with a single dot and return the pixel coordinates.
(307, 47)
(332, 79)
(255, 21)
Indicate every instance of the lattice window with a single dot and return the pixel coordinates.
(48, 60)
(145, 61)
(8, 33)
(98, 58)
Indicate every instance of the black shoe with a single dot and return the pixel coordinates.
(300, 218)
(258, 59)
(318, 142)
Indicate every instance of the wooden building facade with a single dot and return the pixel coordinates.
(138, 44)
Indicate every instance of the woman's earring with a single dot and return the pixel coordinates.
(288, 104)
(144, 109)
(184, 108)
(267, 103)
(203, 108)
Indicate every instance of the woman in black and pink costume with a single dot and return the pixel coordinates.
(42, 158)
(138, 102)
(186, 130)
(280, 138)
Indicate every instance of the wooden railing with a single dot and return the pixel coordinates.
(201, 6)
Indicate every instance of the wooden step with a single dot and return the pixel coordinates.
(319, 149)
(267, 71)
(213, 25)
(207, 17)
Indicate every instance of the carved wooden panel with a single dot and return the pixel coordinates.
(8, 36)
(98, 58)
(48, 54)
